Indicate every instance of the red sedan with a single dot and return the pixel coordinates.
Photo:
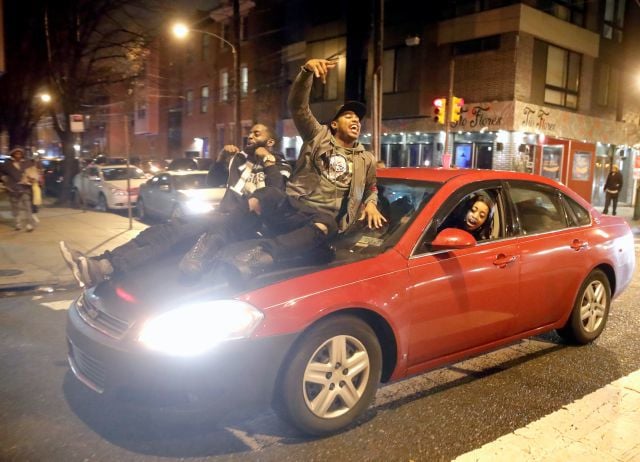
(470, 260)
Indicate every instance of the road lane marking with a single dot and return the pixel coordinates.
(603, 425)
(58, 305)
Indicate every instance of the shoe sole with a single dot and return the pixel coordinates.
(73, 266)
(84, 271)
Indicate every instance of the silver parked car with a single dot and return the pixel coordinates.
(105, 186)
(174, 194)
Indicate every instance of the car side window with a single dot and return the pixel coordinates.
(93, 171)
(579, 214)
(477, 213)
(538, 210)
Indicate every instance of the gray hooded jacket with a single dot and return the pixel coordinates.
(308, 183)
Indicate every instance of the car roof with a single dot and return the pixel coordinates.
(183, 172)
(443, 175)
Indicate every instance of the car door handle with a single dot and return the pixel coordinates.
(503, 260)
(578, 244)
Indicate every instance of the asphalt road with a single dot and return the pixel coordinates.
(45, 414)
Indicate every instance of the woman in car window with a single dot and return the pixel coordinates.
(473, 215)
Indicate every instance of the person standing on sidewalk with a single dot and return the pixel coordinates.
(16, 178)
(612, 188)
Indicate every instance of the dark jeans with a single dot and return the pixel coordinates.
(286, 225)
(158, 240)
(610, 198)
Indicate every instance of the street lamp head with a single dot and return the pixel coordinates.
(180, 30)
(45, 97)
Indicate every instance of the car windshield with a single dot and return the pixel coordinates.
(399, 201)
(122, 173)
(198, 181)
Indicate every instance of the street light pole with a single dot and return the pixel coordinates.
(180, 30)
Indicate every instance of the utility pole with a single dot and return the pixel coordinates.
(378, 49)
(237, 129)
(447, 156)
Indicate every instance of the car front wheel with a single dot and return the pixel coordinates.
(142, 212)
(331, 377)
(590, 310)
(102, 203)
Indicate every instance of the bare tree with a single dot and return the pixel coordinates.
(91, 46)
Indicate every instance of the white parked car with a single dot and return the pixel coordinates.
(105, 186)
(173, 194)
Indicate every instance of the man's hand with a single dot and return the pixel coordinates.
(320, 67)
(232, 148)
(373, 215)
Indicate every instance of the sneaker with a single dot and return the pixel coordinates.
(18, 228)
(72, 259)
(29, 228)
(94, 271)
(200, 257)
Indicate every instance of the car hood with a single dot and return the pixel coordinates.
(158, 286)
(122, 184)
(207, 194)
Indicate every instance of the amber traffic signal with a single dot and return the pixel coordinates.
(440, 110)
(456, 108)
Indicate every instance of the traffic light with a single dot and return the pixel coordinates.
(440, 110)
(456, 109)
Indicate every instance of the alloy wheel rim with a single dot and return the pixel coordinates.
(336, 376)
(593, 305)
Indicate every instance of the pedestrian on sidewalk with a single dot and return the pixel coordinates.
(612, 188)
(18, 180)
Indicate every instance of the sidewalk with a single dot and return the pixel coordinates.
(33, 259)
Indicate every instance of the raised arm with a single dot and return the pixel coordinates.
(298, 101)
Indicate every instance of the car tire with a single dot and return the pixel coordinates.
(590, 310)
(76, 199)
(308, 374)
(102, 205)
(140, 210)
(177, 213)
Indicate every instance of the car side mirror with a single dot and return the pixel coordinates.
(453, 238)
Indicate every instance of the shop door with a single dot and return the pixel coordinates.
(484, 156)
(599, 178)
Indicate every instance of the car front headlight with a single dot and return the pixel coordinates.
(198, 206)
(118, 192)
(196, 328)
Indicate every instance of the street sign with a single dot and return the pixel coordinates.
(76, 122)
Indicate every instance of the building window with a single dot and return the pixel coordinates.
(563, 77)
(397, 70)
(204, 99)
(607, 90)
(477, 45)
(224, 86)
(206, 47)
(613, 20)
(568, 10)
(189, 102)
(244, 80)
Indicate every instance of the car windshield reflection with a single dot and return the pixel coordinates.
(399, 201)
(122, 173)
(198, 181)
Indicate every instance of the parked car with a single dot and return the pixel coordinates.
(103, 159)
(315, 336)
(105, 186)
(190, 163)
(53, 172)
(177, 194)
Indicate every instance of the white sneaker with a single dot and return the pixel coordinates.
(72, 259)
(29, 228)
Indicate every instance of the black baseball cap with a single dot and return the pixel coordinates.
(356, 107)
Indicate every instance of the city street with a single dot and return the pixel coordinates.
(48, 415)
